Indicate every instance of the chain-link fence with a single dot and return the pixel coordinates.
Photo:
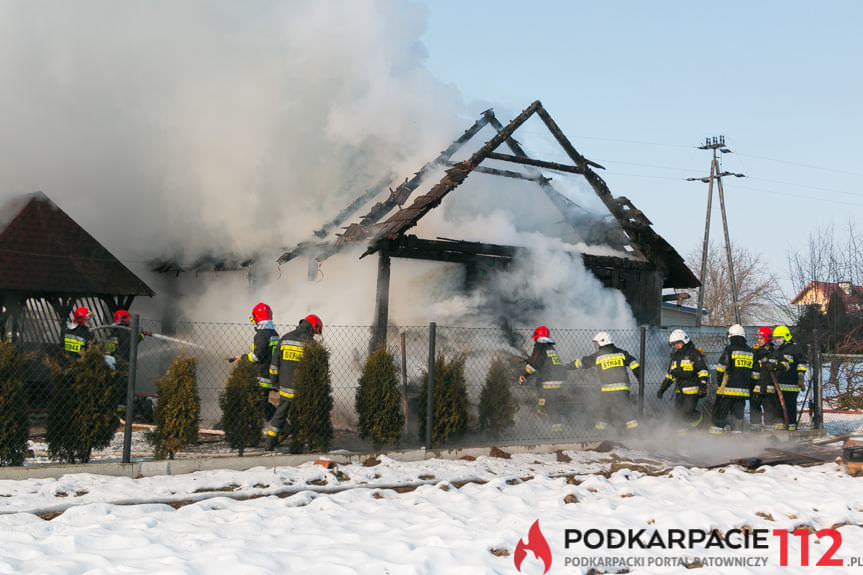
(213, 344)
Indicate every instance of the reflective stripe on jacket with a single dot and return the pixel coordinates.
(735, 369)
(612, 363)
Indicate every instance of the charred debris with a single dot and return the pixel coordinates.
(653, 264)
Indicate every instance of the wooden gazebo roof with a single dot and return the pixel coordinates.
(44, 252)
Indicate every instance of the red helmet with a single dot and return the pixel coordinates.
(80, 315)
(317, 324)
(539, 332)
(121, 316)
(765, 332)
(261, 312)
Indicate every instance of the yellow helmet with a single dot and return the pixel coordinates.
(782, 331)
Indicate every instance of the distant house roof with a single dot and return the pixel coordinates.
(44, 251)
(819, 293)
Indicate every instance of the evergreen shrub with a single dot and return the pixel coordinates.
(82, 410)
(14, 422)
(449, 410)
(241, 407)
(178, 410)
(378, 401)
(310, 411)
(497, 407)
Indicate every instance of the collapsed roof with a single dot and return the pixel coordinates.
(634, 232)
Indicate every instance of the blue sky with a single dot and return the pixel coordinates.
(637, 86)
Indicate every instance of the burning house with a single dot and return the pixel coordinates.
(641, 263)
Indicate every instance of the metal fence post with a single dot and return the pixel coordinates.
(430, 395)
(643, 369)
(404, 381)
(817, 406)
(130, 387)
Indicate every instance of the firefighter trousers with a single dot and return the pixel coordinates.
(684, 408)
(279, 422)
(616, 410)
(790, 398)
(729, 405)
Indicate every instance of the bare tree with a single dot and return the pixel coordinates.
(756, 284)
(828, 258)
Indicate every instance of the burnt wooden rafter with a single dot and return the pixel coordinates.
(397, 198)
(533, 162)
(400, 195)
(408, 217)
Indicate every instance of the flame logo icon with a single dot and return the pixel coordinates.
(535, 542)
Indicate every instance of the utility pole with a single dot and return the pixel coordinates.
(715, 144)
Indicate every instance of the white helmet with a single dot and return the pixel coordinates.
(678, 335)
(602, 338)
(736, 330)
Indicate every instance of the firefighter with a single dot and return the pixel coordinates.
(77, 333)
(763, 405)
(265, 341)
(688, 371)
(790, 373)
(285, 359)
(735, 372)
(118, 341)
(545, 366)
(612, 362)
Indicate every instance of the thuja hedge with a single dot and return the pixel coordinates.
(178, 410)
(449, 407)
(378, 401)
(14, 423)
(309, 414)
(241, 403)
(82, 410)
(497, 407)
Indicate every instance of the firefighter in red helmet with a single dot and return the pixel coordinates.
(286, 356)
(77, 333)
(265, 341)
(117, 342)
(545, 367)
(763, 403)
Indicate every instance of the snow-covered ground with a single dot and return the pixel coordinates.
(437, 516)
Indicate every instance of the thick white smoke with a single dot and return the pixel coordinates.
(211, 126)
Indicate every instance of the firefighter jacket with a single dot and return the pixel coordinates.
(612, 363)
(545, 364)
(688, 370)
(764, 381)
(118, 342)
(736, 370)
(791, 362)
(286, 357)
(265, 341)
(76, 337)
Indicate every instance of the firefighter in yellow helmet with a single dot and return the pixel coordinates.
(790, 373)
